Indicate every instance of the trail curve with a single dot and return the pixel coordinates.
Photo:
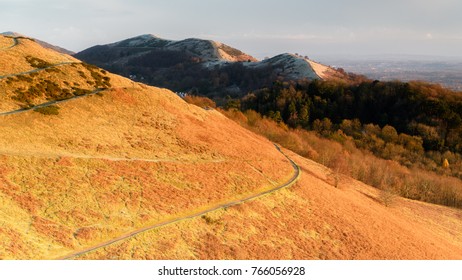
(290, 182)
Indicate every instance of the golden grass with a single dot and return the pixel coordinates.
(5, 42)
(312, 220)
(61, 81)
(135, 155)
(14, 60)
(78, 178)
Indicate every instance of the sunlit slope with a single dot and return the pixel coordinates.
(32, 75)
(311, 220)
(14, 52)
(120, 157)
(109, 164)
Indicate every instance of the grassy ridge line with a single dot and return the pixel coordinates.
(290, 182)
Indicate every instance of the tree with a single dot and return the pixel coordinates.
(389, 134)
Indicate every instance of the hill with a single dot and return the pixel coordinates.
(146, 45)
(31, 75)
(201, 66)
(79, 171)
(41, 43)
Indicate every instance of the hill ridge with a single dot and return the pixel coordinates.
(42, 43)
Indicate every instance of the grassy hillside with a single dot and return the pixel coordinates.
(14, 60)
(113, 163)
(31, 75)
(87, 170)
(83, 171)
(312, 220)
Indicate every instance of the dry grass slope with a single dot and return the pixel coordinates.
(134, 156)
(312, 220)
(107, 165)
(32, 75)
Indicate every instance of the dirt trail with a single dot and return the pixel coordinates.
(46, 104)
(15, 43)
(37, 69)
(290, 182)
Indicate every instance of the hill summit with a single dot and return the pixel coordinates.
(42, 43)
(206, 50)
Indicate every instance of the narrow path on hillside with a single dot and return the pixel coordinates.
(46, 104)
(15, 43)
(37, 69)
(290, 182)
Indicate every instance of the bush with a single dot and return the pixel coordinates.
(37, 62)
(390, 177)
(48, 110)
(199, 101)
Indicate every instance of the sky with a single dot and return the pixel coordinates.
(258, 27)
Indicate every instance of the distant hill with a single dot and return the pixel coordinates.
(202, 66)
(202, 50)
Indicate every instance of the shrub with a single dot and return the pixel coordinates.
(48, 110)
(199, 101)
(387, 197)
(37, 62)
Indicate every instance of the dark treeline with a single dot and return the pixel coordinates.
(413, 123)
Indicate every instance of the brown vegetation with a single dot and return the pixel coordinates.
(346, 159)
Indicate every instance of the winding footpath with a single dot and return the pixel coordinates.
(290, 182)
(15, 43)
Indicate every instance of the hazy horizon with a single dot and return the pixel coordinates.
(260, 28)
